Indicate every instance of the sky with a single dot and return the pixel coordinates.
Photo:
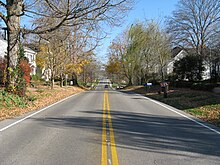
(143, 10)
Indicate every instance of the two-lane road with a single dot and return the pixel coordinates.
(108, 127)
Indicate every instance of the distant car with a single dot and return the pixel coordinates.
(106, 86)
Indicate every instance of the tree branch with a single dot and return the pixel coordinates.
(3, 4)
(3, 17)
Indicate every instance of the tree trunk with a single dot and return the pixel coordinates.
(74, 79)
(66, 77)
(13, 34)
(84, 76)
(61, 80)
(52, 83)
(130, 81)
(162, 76)
(52, 79)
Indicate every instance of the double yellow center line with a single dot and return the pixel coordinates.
(107, 128)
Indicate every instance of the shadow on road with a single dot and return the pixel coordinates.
(136, 131)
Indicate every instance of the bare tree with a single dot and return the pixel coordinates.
(65, 52)
(163, 49)
(194, 23)
(50, 15)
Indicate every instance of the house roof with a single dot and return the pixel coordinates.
(29, 50)
(176, 51)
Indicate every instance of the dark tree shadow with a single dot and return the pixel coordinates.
(149, 133)
(182, 100)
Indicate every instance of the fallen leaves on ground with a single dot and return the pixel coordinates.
(202, 104)
(41, 97)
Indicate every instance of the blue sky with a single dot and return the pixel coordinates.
(143, 10)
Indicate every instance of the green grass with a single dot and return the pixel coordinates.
(197, 112)
(114, 85)
(10, 100)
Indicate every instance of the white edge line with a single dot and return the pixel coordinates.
(39, 111)
(197, 122)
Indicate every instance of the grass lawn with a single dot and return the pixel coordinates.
(204, 105)
(38, 97)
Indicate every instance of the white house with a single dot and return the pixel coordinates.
(178, 54)
(29, 53)
(46, 74)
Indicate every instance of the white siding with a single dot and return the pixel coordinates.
(30, 54)
(180, 55)
(170, 64)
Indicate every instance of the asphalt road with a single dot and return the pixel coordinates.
(100, 128)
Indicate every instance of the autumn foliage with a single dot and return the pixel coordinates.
(25, 70)
(2, 71)
(22, 71)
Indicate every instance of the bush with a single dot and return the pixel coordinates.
(36, 78)
(189, 67)
(10, 100)
(40, 90)
(31, 98)
(154, 82)
(203, 86)
(182, 84)
(2, 71)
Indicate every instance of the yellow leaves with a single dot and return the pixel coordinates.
(44, 48)
(71, 67)
(40, 61)
(42, 56)
(77, 67)
(113, 67)
(57, 57)
(83, 62)
(10, 70)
